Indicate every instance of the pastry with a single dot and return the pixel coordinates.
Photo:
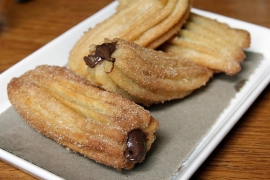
(122, 3)
(140, 21)
(143, 75)
(165, 27)
(69, 109)
(163, 37)
(210, 43)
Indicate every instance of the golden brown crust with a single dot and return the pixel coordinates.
(210, 43)
(174, 15)
(76, 114)
(122, 3)
(147, 76)
(170, 32)
(140, 21)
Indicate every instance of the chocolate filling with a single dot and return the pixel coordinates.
(136, 146)
(103, 52)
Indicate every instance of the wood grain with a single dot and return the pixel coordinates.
(245, 151)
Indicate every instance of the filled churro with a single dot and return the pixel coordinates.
(143, 75)
(100, 125)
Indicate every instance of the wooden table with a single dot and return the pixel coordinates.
(243, 154)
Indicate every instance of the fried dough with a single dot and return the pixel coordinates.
(164, 26)
(140, 21)
(143, 75)
(210, 43)
(100, 125)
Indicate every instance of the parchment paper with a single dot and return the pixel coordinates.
(183, 124)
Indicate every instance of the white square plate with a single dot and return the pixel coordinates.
(59, 49)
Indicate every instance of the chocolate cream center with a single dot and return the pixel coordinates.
(136, 146)
(102, 52)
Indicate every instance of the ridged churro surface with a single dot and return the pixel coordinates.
(144, 75)
(69, 109)
(210, 43)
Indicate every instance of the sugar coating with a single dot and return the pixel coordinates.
(147, 76)
(69, 109)
(210, 43)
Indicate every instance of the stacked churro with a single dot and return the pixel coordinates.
(210, 43)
